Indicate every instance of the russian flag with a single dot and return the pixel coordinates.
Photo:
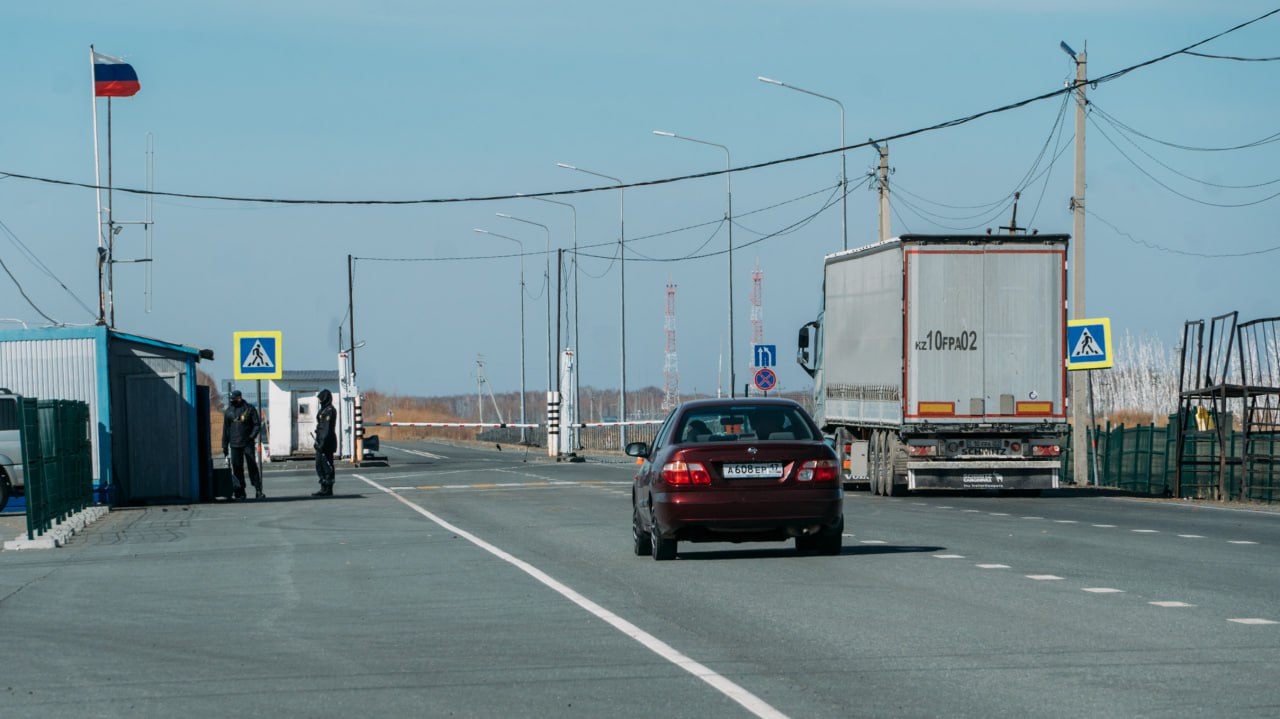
(113, 77)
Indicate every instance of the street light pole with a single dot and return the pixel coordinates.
(622, 296)
(521, 245)
(844, 178)
(546, 278)
(577, 346)
(728, 177)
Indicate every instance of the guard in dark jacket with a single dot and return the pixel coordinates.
(241, 426)
(326, 442)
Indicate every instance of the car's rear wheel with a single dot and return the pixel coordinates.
(5, 490)
(663, 549)
(831, 543)
(641, 543)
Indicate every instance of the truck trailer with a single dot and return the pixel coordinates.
(939, 362)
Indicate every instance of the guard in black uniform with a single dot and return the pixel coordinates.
(326, 442)
(241, 426)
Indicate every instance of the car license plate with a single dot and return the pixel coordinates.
(755, 470)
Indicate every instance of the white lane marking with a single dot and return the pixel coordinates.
(942, 507)
(999, 514)
(1191, 536)
(420, 453)
(1252, 620)
(1240, 541)
(968, 511)
(1033, 517)
(749, 701)
(993, 566)
(874, 541)
(1065, 521)
(1105, 526)
(1171, 604)
(1145, 531)
(1103, 590)
(1044, 577)
(949, 556)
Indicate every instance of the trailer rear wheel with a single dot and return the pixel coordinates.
(896, 461)
(880, 468)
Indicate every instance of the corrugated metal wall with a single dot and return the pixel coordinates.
(55, 369)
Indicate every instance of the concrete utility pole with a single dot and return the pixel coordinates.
(1079, 436)
(884, 192)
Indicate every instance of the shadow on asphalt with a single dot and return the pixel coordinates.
(791, 552)
(290, 498)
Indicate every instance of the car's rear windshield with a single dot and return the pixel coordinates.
(748, 423)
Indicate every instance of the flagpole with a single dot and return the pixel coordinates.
(111, 230)
(97, 183)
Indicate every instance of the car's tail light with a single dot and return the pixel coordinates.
(926, 450)
(817, 470)
(685, 473)
(1046, 450)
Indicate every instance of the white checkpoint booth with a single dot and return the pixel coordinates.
(291, 413)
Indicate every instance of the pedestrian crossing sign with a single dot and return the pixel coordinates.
(258, 355)
(1089, 344)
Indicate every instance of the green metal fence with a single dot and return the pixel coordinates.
(57, 461)
(1143, 459)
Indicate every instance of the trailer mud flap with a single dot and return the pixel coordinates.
(984, 475)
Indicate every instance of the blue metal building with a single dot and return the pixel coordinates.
(142, 397)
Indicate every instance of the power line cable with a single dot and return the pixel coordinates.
(956, 122)
(1093, 107)
(22, 246)
(1169, 250)
(1184, 196)
(24, 294)
(1232, 57)
(1183, 174)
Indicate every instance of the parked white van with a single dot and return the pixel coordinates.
(10, 448)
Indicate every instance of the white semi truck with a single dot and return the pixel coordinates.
(939, 361)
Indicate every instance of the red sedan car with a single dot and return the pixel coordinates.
(736, 470)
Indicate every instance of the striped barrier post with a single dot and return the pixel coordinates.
(553, 424)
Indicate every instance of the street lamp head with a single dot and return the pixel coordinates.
(567, 167)
(503, 214)
(1067, 49)
(663, 133)
(771, 81)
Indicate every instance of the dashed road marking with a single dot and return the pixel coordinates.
(1145, 531)
(1171, 604)
(949, 556)
(1191, 536)
(874, 541)
(944, 507)
(971, 511)
(1252, 620)
(1102, 590)
(999, 514)
(1240, 541)
(1033, 517)
(993, 566)
(1065, 521)
(1044, 577)
(1104, 526)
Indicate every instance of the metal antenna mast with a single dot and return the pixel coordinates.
(671, 366)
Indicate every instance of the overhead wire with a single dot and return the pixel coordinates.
(35, 260)
(1094, 107)
(23, 292)
(955, 122)
(1183, 195)
(1170, 250)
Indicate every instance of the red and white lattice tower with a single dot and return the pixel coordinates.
(670, 365)
(757, 309)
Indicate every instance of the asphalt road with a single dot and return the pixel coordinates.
(475, 583)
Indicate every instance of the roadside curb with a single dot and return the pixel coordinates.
(61, 532)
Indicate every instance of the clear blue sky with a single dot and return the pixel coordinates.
(402, 100)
